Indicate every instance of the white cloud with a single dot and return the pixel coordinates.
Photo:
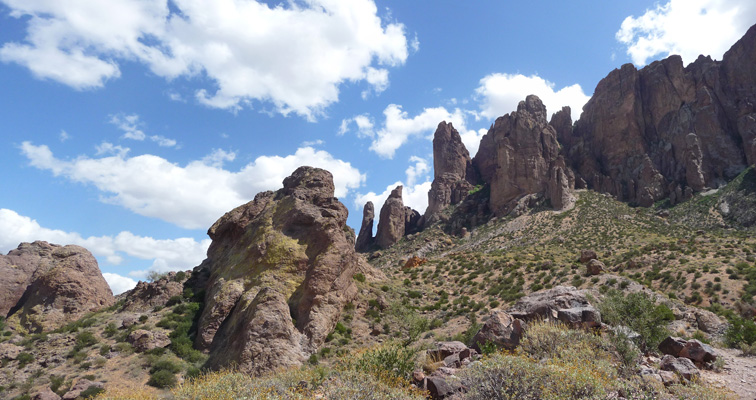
(130, 124)
(687, 28)
(294, 55)
(364, 126)
(499, 94)
(311, 143)
(64, 136)
(118, 284)
(108, 148)
(165, 254)
(414, 194)
(191, 196)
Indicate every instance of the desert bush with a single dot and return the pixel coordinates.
(638, 312)
(84, 339)
(553, 340)
(24, 359)
(741, 331)
(110, 329)
(359, 277)
(503, 376)
(162, 379)
(392, 359)
(90, 392)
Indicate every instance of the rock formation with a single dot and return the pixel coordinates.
(365, 239)
(519, 156)
(667, 131)
(280, 271)
(396, 220)
(147, 295)
(45, 285)
(453, 173)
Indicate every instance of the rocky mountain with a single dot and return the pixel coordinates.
(280, 271)
(365, 239)
(396, 220)
(45, 285)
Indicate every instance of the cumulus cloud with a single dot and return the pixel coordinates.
(190, 196)
(118, 284)
(294, 55)
(399, 127)
(130, 124)
(499, 94)
(414, 194)
(165, 254)
(687, 28)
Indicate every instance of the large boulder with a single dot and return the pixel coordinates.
(453, 173)
(681, 366)
(144, 340)
(280, 272)
(45, 285)
(501, 329)
(520, 156)
(564, 303)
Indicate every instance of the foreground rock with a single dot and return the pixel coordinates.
(563, 303)
(281, 269)
(693, 350)
(44, 286)
(501, 329)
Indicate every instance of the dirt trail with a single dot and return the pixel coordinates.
(739, 374)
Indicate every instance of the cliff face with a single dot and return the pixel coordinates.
(396, 220)
(667, 130)
(365, 239)
(44, 286)
(520, 156)
(281, 269)
(453, 173)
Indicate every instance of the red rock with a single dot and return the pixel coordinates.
(46, 285)
(280, 272)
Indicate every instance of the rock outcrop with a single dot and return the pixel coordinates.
(667, 131)
(520, 156)
(280, 271)
(396, 220)
(45, 286)
(147, 295)
(365, 239)
(453, 172)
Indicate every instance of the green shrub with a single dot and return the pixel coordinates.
(24, 359)
(180, 276)
(553, 340)
(392, 359)
(90, 392)
(173, 301)
(110, 329)
(165, 365)
(84, 339)
(56, 382)
(741, 331)
(162, 379)
(143, 318)
(638, 312)
(359, 277)
(104, 349)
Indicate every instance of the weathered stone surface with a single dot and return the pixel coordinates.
(396, 220)
(9, 351)
(501, 329)
(587, 255)
(698, 352)
(595, 267)
(146, 295)
(442, 387)
(445, 349)
(709, 322)
(547, 303)
(280, 271)
(580, 317)
(45, 285)
(144, 340)
(453, 173)
(519, 156)
(365, 239)
(45, 394)
(682, 366)
(667, 130)
(672, 345)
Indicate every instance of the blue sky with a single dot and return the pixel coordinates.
(130, 126)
